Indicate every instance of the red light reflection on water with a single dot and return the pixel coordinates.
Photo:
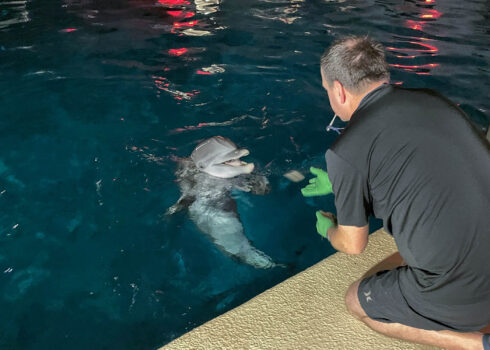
(415, 25)
(426, 48)
(185, 24)
(162, 83)
(181, 14)
(414, 68)
(177, 52)
(173, 2)
(426, 15)
(177, 25)
(203, 72)
(431, 14)
(429, 65)
(68, 30)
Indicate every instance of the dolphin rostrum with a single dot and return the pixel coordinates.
(206, 180)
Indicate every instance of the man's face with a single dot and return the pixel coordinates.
(331, 96)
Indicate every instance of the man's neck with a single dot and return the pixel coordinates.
(356, 99)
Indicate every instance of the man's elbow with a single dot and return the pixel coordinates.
(355, 250)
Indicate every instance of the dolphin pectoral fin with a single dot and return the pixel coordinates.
(243, 183)
(256, 184)
(257, 258)
(242, 187)
(182, 203)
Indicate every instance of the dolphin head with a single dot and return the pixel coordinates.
(220, 157)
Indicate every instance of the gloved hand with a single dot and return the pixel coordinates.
(323, 223)
(319, 185)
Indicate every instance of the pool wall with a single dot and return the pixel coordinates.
(307, 311)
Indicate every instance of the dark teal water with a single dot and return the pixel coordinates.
(98, 98)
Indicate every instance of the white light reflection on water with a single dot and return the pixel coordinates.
(13, 12)
(285, 12)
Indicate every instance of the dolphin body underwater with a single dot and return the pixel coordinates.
(206, 180)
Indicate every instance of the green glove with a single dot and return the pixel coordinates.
(319, 185)
(323, 224)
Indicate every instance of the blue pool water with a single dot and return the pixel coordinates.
(99, 98)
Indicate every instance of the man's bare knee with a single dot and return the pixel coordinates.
(352, 301)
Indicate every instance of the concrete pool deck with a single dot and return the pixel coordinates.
(306, 311)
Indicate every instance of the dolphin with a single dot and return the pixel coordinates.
(206, 180)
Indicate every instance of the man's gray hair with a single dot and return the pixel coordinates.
(356, 62)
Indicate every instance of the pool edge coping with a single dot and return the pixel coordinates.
(306, 311)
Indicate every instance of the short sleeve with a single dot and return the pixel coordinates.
(350, 189)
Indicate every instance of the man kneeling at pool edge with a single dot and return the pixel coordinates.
(413, 159)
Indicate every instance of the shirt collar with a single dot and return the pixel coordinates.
(372, 96)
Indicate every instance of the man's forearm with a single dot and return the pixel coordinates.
(335, 239)
(348, 239)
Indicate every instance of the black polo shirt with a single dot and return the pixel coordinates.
(412, 158)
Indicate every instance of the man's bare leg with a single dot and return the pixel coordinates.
(444, 339)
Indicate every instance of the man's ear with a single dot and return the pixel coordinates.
(339, 91)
